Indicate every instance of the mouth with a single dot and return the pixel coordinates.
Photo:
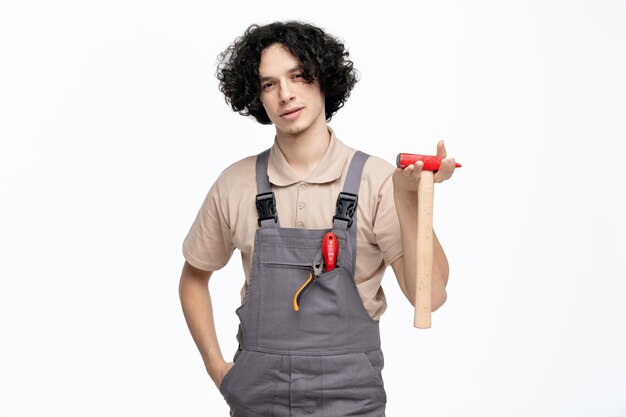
(291, 112)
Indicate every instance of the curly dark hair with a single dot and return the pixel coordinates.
(323, 57)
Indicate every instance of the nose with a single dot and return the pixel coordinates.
(286, 92)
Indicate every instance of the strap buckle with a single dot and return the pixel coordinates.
(346, 207)
(266, 207)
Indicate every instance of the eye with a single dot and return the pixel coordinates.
(267, 85)
(296, 76)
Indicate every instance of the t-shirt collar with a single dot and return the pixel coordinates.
(329, 168)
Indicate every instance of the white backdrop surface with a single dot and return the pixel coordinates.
(112, 130)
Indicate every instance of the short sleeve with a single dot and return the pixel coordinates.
(209, 244)
(386, 224)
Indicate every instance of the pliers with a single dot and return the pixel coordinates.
(316, 270)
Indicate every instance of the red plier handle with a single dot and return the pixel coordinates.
(330, 249)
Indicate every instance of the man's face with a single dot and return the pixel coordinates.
(292, 104)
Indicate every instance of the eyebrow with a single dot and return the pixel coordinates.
(290, 71)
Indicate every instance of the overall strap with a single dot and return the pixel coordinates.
(265, 201)
(348, 199)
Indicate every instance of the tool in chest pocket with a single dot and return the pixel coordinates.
(329, 253)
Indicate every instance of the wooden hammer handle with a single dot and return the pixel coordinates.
(424, 259)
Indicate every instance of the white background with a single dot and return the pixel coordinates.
(112, 130)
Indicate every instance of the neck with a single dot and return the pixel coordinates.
(303, 151)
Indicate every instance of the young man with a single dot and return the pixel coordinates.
(309, 339)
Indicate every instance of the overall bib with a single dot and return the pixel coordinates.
(323, 360)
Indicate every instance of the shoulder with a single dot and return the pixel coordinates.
(237, 178)
(233, 186)
(377, 173)
(375, 169)
(239, 171)
(377, 165)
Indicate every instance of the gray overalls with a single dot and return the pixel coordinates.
(323, 360)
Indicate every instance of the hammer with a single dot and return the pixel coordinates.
(424, 256)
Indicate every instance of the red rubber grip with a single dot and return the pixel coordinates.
(431, 162)
(329, 250)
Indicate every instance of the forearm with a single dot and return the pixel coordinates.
(440, 274)
(406, 207)
(196, 303)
